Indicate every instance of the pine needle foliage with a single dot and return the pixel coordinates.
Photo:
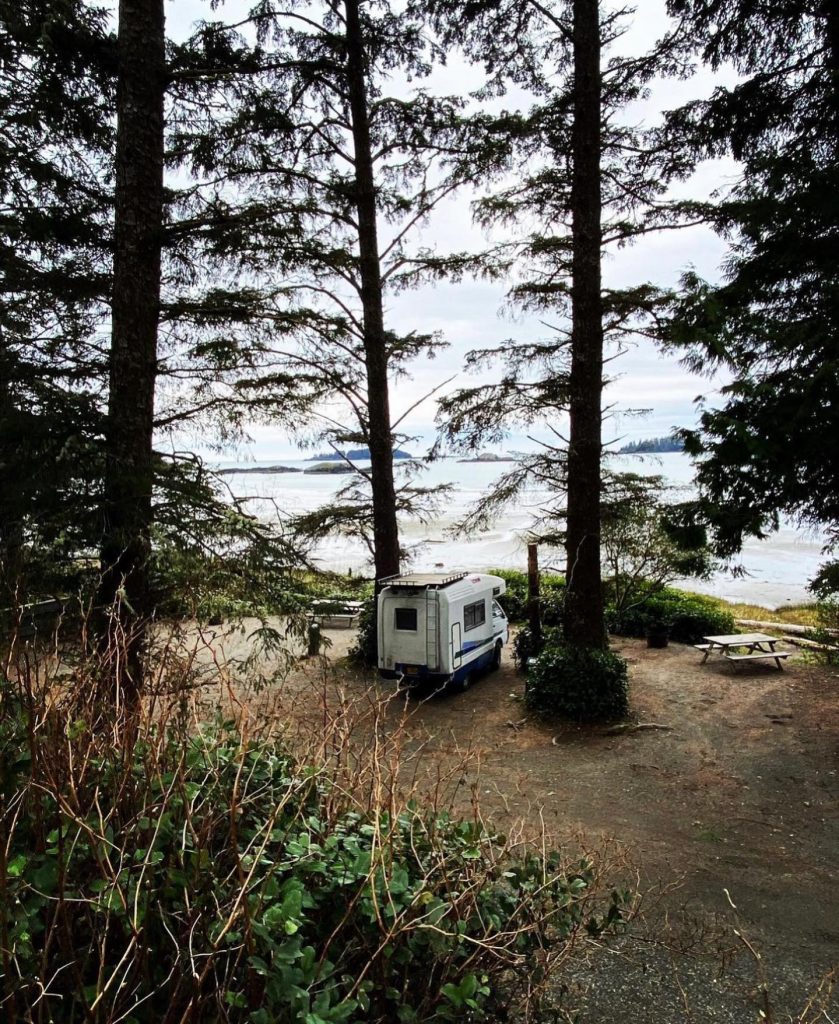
(772, 323)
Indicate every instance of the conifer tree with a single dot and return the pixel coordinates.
(332, 173)
(135, 313)
(583, 619)
(56, 66)
(590, 181)
(772, 323)
(57, 80)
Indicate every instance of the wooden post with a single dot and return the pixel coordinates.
(534, 611)
(313, 640)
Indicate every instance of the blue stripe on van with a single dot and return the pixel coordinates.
(476, 645)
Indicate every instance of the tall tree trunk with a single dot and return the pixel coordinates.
(831, 16)
(584, 597)
(385, 528)
(135, 307)
(11, 528)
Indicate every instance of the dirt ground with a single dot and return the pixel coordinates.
(731, 801)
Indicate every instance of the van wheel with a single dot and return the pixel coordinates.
(496, 658)
(464, 684)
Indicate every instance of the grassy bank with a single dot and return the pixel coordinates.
(801, 614)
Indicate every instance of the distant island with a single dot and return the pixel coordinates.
(355, 453)
(338, 458)
(490, 457)
(334, 467)
(653, 445)
(258, 469)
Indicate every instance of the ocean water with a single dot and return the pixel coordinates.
(775, 570)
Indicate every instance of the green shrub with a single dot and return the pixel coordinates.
(514, 601)
(632, 621)
(696, 618)
(581, 683)
(524, 647)
(365, 651)
(825, 586)
(826, 632)
(690, 616)
(216, 880)
(552, 600)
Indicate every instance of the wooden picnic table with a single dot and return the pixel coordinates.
(759, 647)
(336, 614)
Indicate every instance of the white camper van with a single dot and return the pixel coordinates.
(440, 629)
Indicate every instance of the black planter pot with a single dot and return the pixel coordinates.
(658, 636)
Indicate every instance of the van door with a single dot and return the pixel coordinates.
(457, 644)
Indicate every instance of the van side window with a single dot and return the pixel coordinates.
(474, 615)
(405, 618)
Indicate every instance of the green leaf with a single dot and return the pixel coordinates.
(16, 866)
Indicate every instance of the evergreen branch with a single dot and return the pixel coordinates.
(419, 401)
(424, 209)
(650, 229)
(557, 23)
(210, 74)
(352, 465)
(353, 319)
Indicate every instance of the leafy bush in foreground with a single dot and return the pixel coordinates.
(580, 683)
(825, 586)
(364, 652)
(217, 880)
(690, 616)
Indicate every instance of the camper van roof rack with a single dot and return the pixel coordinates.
(423, 579)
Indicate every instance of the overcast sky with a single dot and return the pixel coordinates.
(473, 314)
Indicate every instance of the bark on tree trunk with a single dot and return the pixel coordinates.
(831, 16)
(584, 623)
(135, 306)
(11, 529)
(380, 440)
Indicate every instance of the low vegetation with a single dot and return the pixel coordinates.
(364, 651)
(688, 617)
(514, 601)
(525, 645)
(803, 614)
(154, 872)
(585, 685)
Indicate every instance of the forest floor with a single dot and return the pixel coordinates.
(725, 816)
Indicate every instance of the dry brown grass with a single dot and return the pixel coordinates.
(803, 614)
(108, 779)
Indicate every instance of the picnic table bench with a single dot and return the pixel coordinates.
(336, 614)
(759, 647)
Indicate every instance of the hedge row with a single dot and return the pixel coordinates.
(689, 616)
